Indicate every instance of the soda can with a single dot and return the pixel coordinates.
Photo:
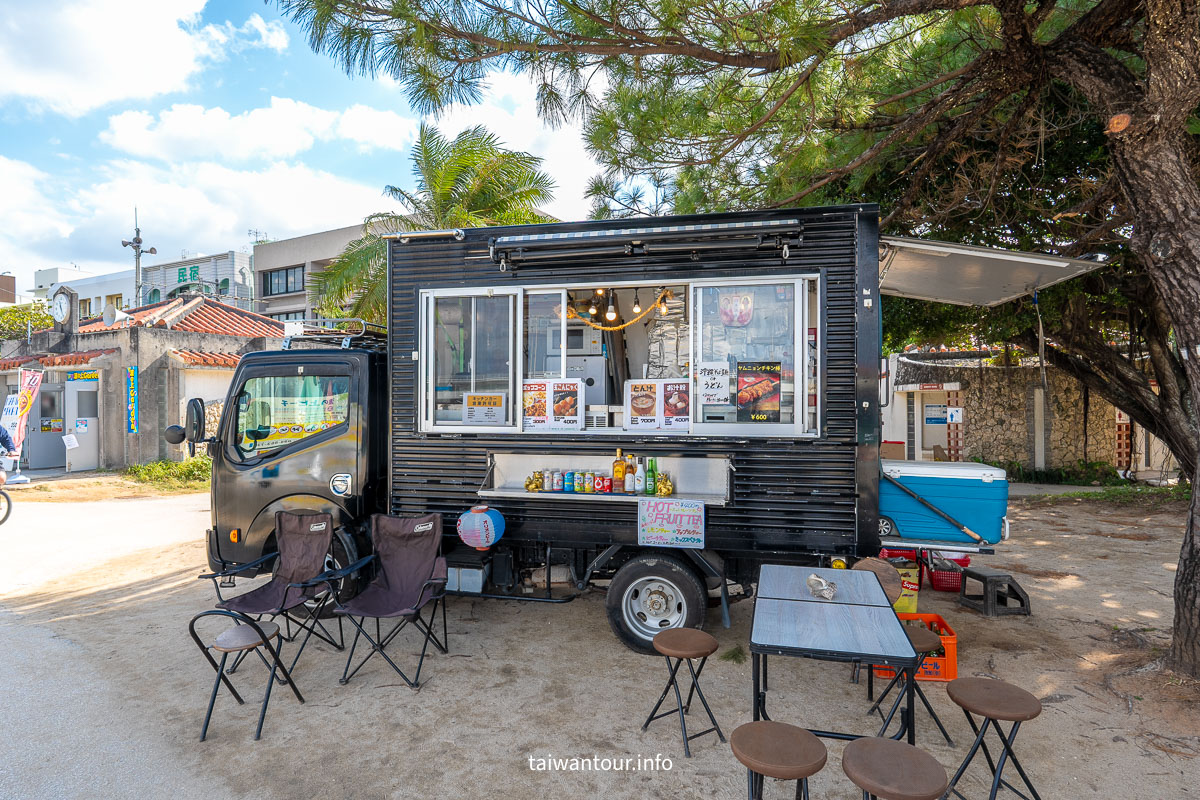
(608, 484)
(568, 481)
(598, 480)
(579, 478)
(558, 481)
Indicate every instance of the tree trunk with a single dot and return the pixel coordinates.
(1160, 186)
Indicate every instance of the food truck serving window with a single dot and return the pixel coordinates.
(737, 358)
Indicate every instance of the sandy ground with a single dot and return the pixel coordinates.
(104, 692)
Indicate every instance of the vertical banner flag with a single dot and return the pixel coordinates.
(16, 406)
(131, 399)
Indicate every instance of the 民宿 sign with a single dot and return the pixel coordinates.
(670, 522)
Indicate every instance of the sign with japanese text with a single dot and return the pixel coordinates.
(16, 406)
(935, 413)
(484, 408)
(712, 381)
(87, 375)
(131, 399)
(758, 384)
(552, 405)
(670, 522)
(191, 273)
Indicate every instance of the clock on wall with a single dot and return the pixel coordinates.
(60, 308)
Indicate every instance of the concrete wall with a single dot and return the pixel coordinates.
(1003, 421)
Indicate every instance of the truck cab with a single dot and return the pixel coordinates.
(300, 429)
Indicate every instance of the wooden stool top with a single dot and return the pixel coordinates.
(778, 750)
(243, 637)
(994, 699)
(685, 643)
(923, 640)
(889, 577)
(893, 770)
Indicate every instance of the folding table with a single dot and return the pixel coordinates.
(858, 624)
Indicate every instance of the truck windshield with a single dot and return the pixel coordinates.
(277, 410)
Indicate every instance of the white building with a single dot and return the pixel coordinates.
(95, 291)
(228, 276)
(284, 267)
(44, 279)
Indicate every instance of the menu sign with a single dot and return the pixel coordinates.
(712, 379)
(670, 522)
(677, 406)
(643, 405)
(483, 408)
(758, 384)
(552, 405)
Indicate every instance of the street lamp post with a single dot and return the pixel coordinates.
(136, 244)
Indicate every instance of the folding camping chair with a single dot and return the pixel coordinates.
(294, 591)
(411, 575)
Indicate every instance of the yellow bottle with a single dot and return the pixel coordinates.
(618, 470)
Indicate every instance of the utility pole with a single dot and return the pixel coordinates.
(136, 244)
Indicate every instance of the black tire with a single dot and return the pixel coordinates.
(650, 593)
(5, 506)
(343, 554)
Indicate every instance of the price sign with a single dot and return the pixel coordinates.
(712, 380)
(670, 522)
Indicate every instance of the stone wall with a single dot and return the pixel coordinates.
(1000, 407)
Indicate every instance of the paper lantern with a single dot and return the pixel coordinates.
(481, 527)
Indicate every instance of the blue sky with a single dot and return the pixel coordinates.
(213, 119)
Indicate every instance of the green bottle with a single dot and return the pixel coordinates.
(651, 476)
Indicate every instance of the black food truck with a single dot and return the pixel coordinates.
(660, 404)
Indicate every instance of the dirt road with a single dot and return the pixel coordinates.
(105, 692)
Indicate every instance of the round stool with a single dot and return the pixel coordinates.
(248, 635)
(891, 770)
(684, 644)
(924, 642)
(889, 577)
(777, 750)
(994, 700)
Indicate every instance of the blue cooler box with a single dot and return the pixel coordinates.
(974, 494)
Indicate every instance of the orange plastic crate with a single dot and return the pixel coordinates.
(936, 667)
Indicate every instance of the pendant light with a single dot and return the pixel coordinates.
(637, 304)
(592, 308)
(611, 313)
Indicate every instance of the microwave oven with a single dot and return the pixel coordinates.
(582, 340)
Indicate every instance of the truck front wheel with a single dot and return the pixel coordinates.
(651, 593)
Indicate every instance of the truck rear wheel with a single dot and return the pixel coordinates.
(651, 593)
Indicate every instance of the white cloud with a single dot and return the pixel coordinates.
(283, 129)
(198, 206)
(509, 109)
(77, 56)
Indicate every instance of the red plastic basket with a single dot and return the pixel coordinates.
(949, 580)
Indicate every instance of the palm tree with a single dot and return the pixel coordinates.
(469, 182)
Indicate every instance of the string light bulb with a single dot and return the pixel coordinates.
(592, 308)
(611, 313)
(599, 293)
(637, 304)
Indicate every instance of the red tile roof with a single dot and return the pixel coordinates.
(13, 363)
(195, 358)
(77, 359)
(194, 313)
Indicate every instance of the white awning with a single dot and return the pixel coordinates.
(967, 275)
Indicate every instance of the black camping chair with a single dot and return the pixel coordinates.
(297, 589)
(411, 575)
(245, 636)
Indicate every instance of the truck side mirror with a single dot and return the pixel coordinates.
(194, 424)
(174, 434)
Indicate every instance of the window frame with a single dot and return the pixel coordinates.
(286, 370)
(285, 272)
(802, 321)
(516, 358)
